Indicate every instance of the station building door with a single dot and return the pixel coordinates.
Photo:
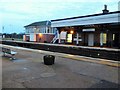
(90, 39)
(116, 39)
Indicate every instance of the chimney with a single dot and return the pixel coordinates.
(105, 9)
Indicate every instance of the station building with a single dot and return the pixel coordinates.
(39, 32)
(96, 30)
(100, 30)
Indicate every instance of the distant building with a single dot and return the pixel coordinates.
(39, 32)
(101, 30)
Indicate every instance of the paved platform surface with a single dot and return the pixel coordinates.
(29, 71)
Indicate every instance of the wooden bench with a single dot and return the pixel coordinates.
(8, 51)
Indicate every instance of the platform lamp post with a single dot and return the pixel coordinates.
(11, 30)
(107, 34)
(3, 36)
(77, 42)
(2, 28)
(78, 30)
(59, 33)
(101, 36)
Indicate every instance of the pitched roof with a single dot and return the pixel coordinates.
(86, 16)
(41, 23)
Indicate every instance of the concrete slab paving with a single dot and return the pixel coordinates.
(29, 71)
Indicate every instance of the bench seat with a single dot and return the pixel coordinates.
(9, 51)
(13, 53)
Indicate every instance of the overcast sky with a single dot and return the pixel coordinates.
(15, 14)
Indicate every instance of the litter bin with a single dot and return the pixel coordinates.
(49, 59)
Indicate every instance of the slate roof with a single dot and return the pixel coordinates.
(86, 16)
(41, 23)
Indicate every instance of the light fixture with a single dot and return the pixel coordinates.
(40, 35)
(71, 31)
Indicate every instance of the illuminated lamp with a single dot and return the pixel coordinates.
(40, 35)
(71, 32)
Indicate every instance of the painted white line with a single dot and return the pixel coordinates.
(65, 55)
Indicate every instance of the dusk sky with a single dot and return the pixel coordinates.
(15, 14)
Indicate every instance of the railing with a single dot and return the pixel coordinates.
(54, 39)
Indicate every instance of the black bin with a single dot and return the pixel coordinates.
(49, 59)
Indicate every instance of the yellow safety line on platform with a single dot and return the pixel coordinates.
(94, 61)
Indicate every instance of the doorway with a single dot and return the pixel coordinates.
(116, 40)
(91, 39)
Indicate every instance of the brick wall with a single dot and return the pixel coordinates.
(44, 38)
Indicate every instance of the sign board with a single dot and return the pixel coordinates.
(63, 35)
(75, 39)
(89, 30)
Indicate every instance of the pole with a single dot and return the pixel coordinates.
(101, 39)
(77, 41)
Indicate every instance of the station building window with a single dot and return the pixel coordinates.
(69, 38)
(103, 38)
(113, 37)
